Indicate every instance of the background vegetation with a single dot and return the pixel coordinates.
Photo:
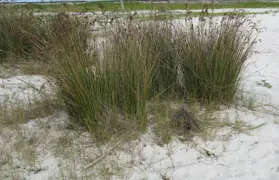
(129, 6)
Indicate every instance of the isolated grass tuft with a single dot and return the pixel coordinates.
(212, 56)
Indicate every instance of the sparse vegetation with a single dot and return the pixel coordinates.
(13, 113)
(264, 84)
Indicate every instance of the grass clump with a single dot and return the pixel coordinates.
(107, 89)
(75, 84)
(89, 89)
(109, 92)
(213, 55)
(19, 32)
(148, 47)
(142, 61)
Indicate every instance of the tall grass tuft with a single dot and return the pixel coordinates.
(87, 87)
(212, 55)
(78, 87)
(161, 42)
(141, 61)
(20, 32)
(102, 93)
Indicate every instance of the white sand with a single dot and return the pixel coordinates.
(21, 88)
(242, 157)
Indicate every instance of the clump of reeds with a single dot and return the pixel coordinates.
(20, 32)
(140, 61)
(212, 55)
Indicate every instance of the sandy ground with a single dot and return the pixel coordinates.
(21, 88)
(242, 156)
